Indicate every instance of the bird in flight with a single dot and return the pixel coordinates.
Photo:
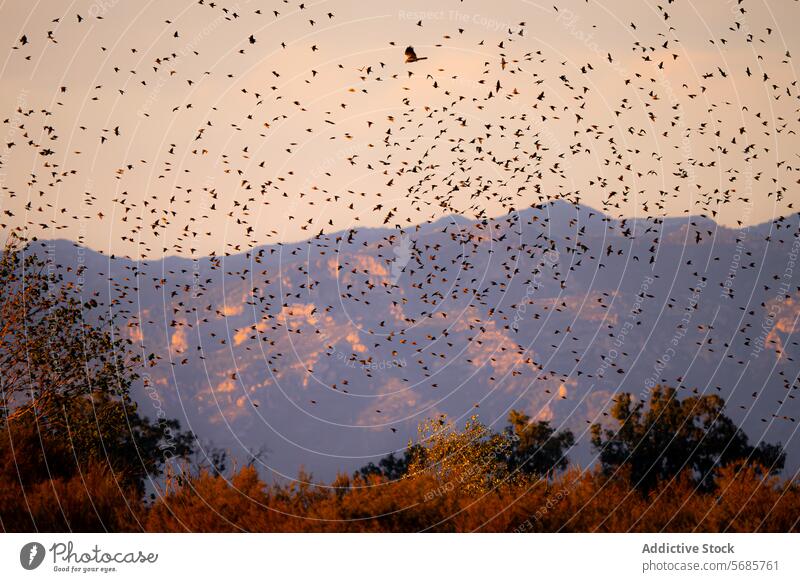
(411, 55)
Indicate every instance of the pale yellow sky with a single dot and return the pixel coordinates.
(244, 148)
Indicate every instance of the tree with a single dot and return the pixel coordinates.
(524, 447)
(65, 382)
(471, 460)
(536, 448)
(391, 467)
(673, 435)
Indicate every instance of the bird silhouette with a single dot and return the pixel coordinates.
(411, 55)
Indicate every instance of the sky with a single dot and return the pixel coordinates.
(185, 127)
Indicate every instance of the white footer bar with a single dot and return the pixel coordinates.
(389, 557)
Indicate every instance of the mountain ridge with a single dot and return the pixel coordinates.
(317, 350)
(667, 221)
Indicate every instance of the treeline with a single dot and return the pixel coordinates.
(657, 472)
(76, 455)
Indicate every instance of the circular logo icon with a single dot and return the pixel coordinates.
(31, 555)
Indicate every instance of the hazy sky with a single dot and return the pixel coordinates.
(148, 118)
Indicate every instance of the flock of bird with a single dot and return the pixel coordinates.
(504, 130)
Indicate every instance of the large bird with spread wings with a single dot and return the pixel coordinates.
(411, 55)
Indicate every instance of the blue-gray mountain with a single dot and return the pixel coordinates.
(329, 352)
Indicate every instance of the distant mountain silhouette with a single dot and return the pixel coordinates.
(243, 344)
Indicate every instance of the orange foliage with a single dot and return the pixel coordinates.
(576, 501)
(744, 500)
(92, 501)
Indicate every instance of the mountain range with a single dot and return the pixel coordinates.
(327, 354)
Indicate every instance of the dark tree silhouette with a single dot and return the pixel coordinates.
(673, 435)
(391, 466)
(536, 448)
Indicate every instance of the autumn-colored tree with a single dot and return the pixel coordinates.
(673, 435)
(525, 447)
(65, 383)
(471, 460)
